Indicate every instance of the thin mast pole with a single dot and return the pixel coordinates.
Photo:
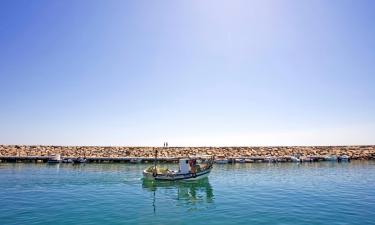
(156, 157)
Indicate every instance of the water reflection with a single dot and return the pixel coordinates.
(193, 194)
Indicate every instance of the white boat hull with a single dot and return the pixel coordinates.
(343, 158)
(295, 159)
(221, 161)
(174, 177)
(239, 160)
(330, 158)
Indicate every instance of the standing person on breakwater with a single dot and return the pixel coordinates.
(166, 144)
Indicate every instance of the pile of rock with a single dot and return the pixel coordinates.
(355, 152)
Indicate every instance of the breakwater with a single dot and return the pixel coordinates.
(354, 152)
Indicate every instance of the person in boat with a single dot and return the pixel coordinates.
(188, 168)
(192, 164)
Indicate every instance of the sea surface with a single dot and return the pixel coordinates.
(261, 193)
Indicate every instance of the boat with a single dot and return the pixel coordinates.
(240, 160)
(295, 159)
(249, 160)
(54, 159)
(67, 160)
(270, 159)
(307, 159)
(221, 160)
(343, 158)
(330, 158)
(135, 160)
(79, 160)
(189, 169)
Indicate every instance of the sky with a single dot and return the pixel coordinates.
(193, 73)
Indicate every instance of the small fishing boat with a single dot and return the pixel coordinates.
(239, 160)
(54, 159)
(270, 159)
(189, 169)
(330, 158)
(220, 159)
(343, 158)
(295, 159)
(249, 160)
(307, 159)
(135, 160)
(79, 160)
(67, 160)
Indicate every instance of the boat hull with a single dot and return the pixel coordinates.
(330, 158)
(221, 161)
(79, 160)
(295, 159)
(239, 161)
(343, 158)
(187, 177)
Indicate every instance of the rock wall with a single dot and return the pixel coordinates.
(355, 152)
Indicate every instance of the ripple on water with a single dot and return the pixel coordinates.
(310, 193)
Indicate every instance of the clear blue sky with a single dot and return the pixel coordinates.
(188, 72)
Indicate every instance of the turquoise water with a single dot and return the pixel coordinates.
(310, 193)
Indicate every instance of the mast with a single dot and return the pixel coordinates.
(156, 157)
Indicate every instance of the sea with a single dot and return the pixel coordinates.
(253, 193)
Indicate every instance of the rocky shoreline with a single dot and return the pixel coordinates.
(363, 152)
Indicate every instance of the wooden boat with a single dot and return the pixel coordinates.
(249, 160)
(239, 160)
(343, 158)
(135, 160)
(79, 160)
(189, 169)
(221, 160)
(270, 159)
(67, 160)
(295, 159)
(54, 159)
(307, 159)
(330, 158)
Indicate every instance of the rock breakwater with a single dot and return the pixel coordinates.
(354, 152)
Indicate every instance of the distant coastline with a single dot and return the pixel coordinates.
(360, 152)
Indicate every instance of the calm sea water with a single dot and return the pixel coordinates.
(310, 193)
